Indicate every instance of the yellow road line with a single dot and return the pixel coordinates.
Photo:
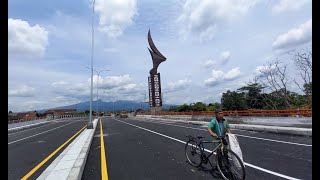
(104, 170)
(50, 156)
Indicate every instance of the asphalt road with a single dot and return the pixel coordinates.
(153, 149)
(28, 147)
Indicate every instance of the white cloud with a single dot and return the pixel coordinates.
(115, 15)
(59, 83)
(131, 91)
(26, 40)
(179, 85)
(209, 64)
(22, 91)
(294, 37)
(131, 88)
(219, 76)
(225, 56)
(264, 68)
(69, 89)
(65, 100)
(31, 105)
(122, 87)
(115, 81)
(287, 5)
(202, 18)
(259, 69)
(232, 74)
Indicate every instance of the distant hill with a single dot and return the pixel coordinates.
(108, 106)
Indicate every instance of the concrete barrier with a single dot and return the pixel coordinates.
(238, 125)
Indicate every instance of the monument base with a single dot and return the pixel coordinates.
(155, 110)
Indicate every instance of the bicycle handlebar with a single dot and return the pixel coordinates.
(224, 141)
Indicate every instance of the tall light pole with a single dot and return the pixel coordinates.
(90, 125)
(113, 105)
(192, 104)
(98, 73)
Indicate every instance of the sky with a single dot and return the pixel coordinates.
(211, 46)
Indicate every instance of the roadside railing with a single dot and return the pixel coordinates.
(276, 113)
(23, 120)
(39, 118)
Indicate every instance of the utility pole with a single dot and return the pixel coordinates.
(90, 125)
(98, 73)
(146, 100)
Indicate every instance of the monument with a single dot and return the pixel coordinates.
(155, 95)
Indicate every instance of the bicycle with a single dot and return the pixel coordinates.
(228, 163)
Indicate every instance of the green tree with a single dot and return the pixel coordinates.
(308, 92)
(184, 108)
(233, 101)
(199, 106)
(211, 107)
(173, 109)
(214, 106)
(308, 88)
(299, 100)
(277, 98)
(254, 100)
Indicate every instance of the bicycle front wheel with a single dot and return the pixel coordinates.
(230, 165)
(193, 153)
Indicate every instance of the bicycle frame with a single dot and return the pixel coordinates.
(206, 157)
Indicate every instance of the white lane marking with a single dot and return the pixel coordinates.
(285, 142)
(261, 169)
(250, 165)
(38, 134)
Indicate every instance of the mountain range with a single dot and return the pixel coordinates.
(109, 106)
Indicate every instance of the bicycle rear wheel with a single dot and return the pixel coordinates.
(193, 153)
(230, 165)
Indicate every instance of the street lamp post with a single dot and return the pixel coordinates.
(192, 104)
(113, 104)
(90, 125)
(98, 73)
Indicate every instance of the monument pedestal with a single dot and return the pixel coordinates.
(155, 110)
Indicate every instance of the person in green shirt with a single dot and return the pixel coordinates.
(218, 126)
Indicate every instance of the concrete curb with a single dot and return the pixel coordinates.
(33, 125)
(280, 130)
(261, 128)
(71, 162)
(26, 126)
(77, 170)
